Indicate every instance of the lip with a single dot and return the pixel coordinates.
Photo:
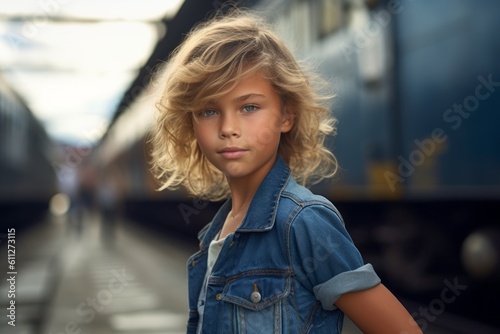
(232, 152)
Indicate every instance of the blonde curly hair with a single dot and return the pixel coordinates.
(206, 66)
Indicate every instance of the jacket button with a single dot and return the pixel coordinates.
(255, 297)
(218, 296)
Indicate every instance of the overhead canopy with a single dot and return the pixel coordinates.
(72, 61)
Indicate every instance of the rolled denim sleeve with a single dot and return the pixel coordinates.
(324, 257)
(355, 280)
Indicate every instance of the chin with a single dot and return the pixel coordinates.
(235, 172)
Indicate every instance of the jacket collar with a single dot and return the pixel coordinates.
(262, 210)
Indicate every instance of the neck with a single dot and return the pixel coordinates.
(243, 190)
(241, 196)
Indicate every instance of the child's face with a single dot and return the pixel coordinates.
(239, 133)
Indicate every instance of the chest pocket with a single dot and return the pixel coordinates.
(259, 302)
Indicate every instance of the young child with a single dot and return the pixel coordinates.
(238, 119)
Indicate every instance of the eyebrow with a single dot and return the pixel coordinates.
(248, 97)
(240, 99)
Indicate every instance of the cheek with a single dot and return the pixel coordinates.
(203, 136)
(266, 136)
(268, 130)
(199, 131)
(272, 123)
(198, 134)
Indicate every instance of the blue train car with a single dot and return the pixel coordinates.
(417, 93)
(27, 178)
(449, 95)
(417, 88)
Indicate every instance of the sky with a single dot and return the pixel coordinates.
(72, 60)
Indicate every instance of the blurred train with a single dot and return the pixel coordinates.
(27, 178)
(417, 97)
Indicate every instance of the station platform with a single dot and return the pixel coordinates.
(101, 279)
(77, 281)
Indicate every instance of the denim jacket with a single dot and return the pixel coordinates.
(283, 268)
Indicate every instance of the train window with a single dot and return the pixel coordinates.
(3, 121)
(300, 17)
(1, 104)
(18, 136)
(330, 16)
(371, 4)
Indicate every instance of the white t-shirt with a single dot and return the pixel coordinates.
(213, 253)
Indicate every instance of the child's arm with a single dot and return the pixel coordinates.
(376, 310)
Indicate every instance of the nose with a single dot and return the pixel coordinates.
(229, 126)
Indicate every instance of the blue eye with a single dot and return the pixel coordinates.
(207, 113)
(250, 108)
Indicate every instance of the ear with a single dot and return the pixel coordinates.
(288, 120)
